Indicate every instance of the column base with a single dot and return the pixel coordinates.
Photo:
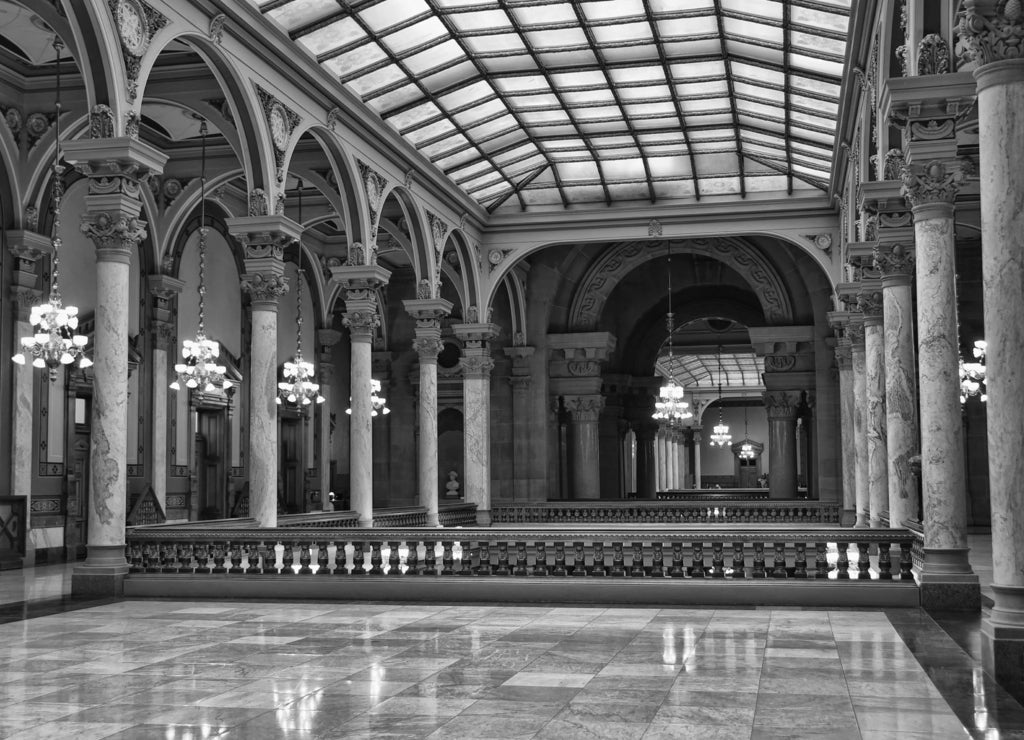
(1002, 640)
(483, 517)
(947, 581)
(102, 573)
(366, 523)
(432, 520)
(847, 518)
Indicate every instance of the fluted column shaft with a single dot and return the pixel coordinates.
(896, 266)
(114, 168)
(874, 364)
(263, 240)
(860, 426)
(584, 414)
(782, 410)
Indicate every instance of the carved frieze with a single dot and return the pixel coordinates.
(779, 363)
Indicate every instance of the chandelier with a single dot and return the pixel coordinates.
(200, 368)
(670, 406)
(720, 437)
(377, 403)
(746, 449)
(972, 374)
(298, 387)
(55, 340)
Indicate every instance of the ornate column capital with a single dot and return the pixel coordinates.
(263, 237)
(476, 334)
(476, 366)
(936, 182)
(116, 233)
(266, 286)
(427, 345)
(855, 333)
(782, 405)
(362, 324)
(991, 31)
(356, 280)
(325, 341)
(871, 304)
(162, 332)
(27, 247)
(428, 310)
(895, 262)
(24, 298)
(584, 407)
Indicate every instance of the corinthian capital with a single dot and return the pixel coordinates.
(361, 324)
(782, 405)
(113, 233)
(894, 260)
(264, 287)
(992, 31)
(935, 182)
(476, 366)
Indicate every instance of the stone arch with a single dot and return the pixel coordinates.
(419, 235)
(91, 38)
(516, 290)
(599, 282)
(180, 212)
(460, 269)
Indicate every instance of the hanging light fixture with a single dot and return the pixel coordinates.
(720, 437)
(378, 405)
(972, 374)
(299, 386)
(200, 368)
(55, 340)
(670, 406)
(746, 449)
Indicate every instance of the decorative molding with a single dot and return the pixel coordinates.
(51, 470)
(101, 122)
(281, 122)
(654, 227)
(932, 55)
(933, 130)
(333, 118)
(779, 363)
(217, 28)
(583, 368)
(476, 366)
(137, 22)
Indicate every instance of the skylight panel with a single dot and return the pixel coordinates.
(302, 12)
(337, 34)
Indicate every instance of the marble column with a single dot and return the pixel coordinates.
(263, 239)
(163, 288)
(947, 580)
(476, 387)
(428, 313)
(874, 415)
(844, 360)
(696, 457)
(584, 414)
(673, 460)
(646, 464)
(860, 427)
(325, 340)
(27, 247)
(782, 409)
(361, 317)
(681, 455)
(1000, 86)
(115, 168)
(524, 440)
(659, 457)
(896, 265)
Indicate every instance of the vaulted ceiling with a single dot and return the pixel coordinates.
(546, 103)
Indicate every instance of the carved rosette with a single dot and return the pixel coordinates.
(264, 287)
(134, 45)
(476, 366)
(893, 261)
(114, 234)
(782, 405)
(362, 325)
(935, 182)
(993, 36)
(281, 122)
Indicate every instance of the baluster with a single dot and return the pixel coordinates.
(134, 557)
(520, 569)
(637, 568)
(305, 559)
(779, 571)
(758, 561)
(598, 569)
(739, 557)
(394, 560)
(465, 567)
(412, 559)
(219, 553)
(167, 559)
(863, 562)
(288, 559)
(579, 563)
(269, 558)
(202, 557)
(657, 560)
(376, 562)
(676, 571)
(447, 558)
(236, 557)
(540, 564)
(843, 566)
(358, 559)
(800, 561)
(820, 560)
(559, 569)
(717, 560)
(618, 568)
(429, 558)
(697, 566)
(484, 568)
(151, 558)
(884, 562)
(906, 561)
(252, 552)
(323, 558)
(503, 567)
(184, 557)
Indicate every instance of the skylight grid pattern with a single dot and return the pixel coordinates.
(700, 371)
(551, 102)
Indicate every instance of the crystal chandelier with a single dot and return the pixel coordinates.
(299, 387)
(377, 403)
(720, 437)
(746, 449)
(972, 374)
(200, 368)
(55, 340)
(670, 406)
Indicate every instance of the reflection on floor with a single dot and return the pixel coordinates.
(170, 669)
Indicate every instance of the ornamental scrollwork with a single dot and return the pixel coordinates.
(895, 260)
(264, 287)
(992, 38)
(870, 303)
(101, 122)
(933, 55)
(361, 323)
(117, 232)
(933, 183)
(217, 28)
(476, 365)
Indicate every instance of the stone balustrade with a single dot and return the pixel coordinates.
(711, 511)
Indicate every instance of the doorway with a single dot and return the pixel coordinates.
(211, 466)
